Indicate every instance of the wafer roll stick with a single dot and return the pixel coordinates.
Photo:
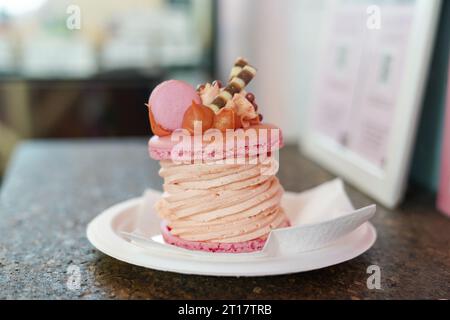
(238, 65)
(235, 85)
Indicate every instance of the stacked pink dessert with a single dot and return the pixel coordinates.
(218, 165)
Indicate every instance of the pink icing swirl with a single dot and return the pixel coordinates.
(220, 202)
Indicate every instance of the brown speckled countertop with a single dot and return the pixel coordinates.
(53, 189)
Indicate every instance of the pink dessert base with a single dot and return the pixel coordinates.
(222, 247)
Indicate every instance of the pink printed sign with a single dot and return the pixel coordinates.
(444, 184)
(360, 78)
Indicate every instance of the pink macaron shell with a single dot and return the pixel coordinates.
(223, 247)
(160, 148)
(170, 100)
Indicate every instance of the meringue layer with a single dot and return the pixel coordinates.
(218, 202)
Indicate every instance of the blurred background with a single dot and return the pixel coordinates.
(63, 78)
(60, 80)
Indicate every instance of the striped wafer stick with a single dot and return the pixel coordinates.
(238, 65)
(235, 85)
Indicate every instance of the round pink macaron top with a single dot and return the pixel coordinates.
(169, 101)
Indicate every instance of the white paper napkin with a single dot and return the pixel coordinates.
(318, 216)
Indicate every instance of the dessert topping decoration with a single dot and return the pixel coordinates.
(208, 92)
(198, 113)
(238, 65)
(168, 103)
(244, 111)
(235, 85)
(218, 83)
(225, 119)
(176, 104)
(250, 97)
(157, 128)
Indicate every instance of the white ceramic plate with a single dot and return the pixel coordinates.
(104, 232)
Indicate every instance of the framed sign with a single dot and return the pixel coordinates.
(366, 98)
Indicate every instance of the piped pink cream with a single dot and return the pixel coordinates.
(227, 203)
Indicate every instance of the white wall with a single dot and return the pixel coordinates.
(281, 38)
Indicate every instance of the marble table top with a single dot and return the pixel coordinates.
(53, 188)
